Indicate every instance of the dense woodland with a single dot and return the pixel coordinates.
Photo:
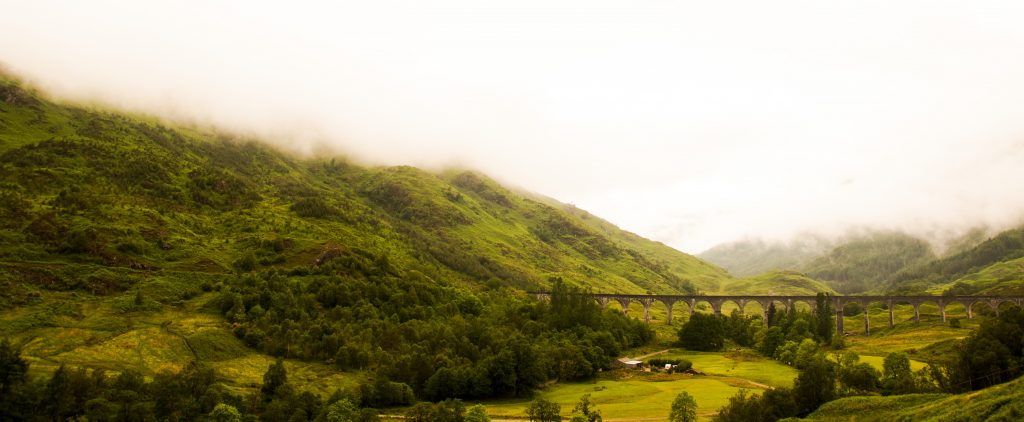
(439, 342)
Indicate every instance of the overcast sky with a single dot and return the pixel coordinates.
(692, 123)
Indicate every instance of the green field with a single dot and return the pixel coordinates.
(626, 394)
(628, 398)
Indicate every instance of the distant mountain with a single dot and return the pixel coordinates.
(867, 261)
(991, 266)
(855, 263)
(879, 261)
(755, 256)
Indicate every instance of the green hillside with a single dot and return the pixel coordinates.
(888, 262)
(1004, 402)
(775, 283)
(977, 269)
(866, 262)
(131, 244)
(705, 276)
(89, 187)
(1001, 278)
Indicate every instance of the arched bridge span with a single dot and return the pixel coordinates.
(838, 302)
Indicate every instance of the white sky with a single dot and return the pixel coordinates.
(693, 123)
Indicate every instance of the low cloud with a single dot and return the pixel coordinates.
(692, 124)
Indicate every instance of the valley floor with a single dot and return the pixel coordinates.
(95, 333)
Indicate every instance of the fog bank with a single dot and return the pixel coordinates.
(692, 123)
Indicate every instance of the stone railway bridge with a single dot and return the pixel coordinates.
(838, 302)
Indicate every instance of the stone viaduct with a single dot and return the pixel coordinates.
(838, 302)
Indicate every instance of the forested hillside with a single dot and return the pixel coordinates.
(866, 262)
(991, 267)
(88, 187)
(131, 244)
(894, 262)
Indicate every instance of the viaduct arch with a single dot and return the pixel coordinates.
(838, 302)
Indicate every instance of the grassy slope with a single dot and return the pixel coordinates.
(176, 198)
(1003, 402)
(97, 207)
(704, 276)
(775, 283)
(1001, 278)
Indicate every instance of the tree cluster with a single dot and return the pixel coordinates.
(437, 342)
(991, 355)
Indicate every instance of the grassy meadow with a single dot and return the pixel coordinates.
(629, 394)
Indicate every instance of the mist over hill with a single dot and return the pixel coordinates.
(755, 256)
(90, 187)
(862, 261)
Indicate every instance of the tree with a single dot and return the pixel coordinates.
(991, 355)
(860, 377)
(583, 408)
(770, 314)
(742, 407)
(228, 413)
(684, 408)
(541, 410)
(421, 412)
(768, 341)
(477, 413)
(572, 307)
(823, 324)
(805, 352)
(275, 377)
(450, 410)
(857, 377)
(12, 367)
(816, 384)
(703, 332)
(897, 377)
(778, 403)
(786, 353)
(772, 405)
